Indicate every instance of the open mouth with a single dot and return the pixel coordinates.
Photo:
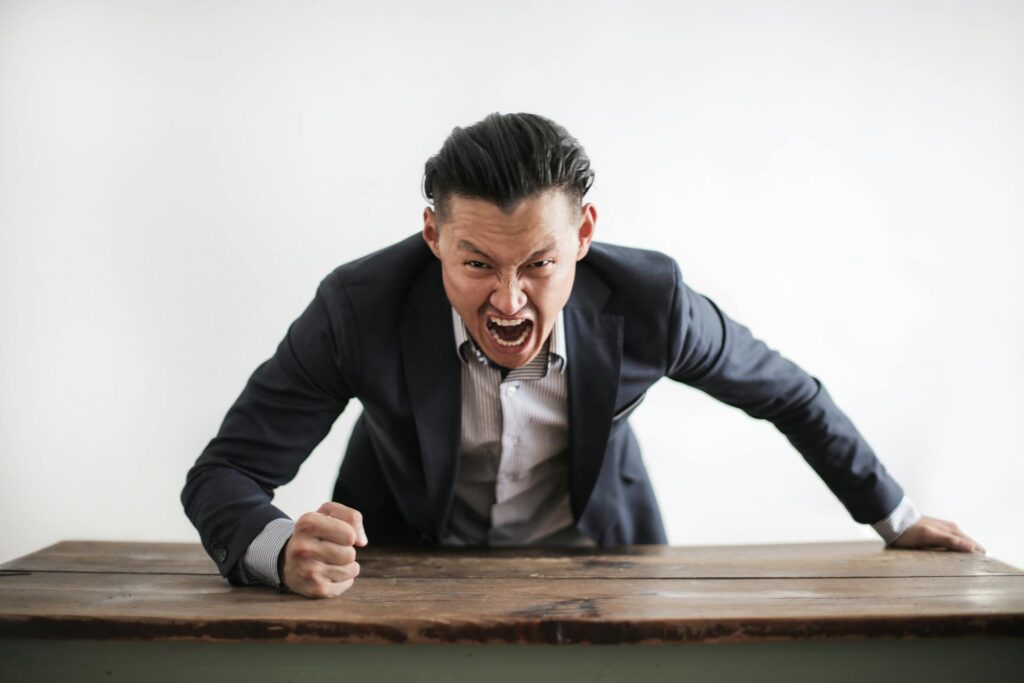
(509, 334)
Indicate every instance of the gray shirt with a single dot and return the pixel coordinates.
(512, 486)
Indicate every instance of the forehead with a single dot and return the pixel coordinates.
(541, 219)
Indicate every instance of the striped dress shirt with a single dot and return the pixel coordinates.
(512, 486)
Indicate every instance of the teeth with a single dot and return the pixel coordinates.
(515, 342)
(506, 323)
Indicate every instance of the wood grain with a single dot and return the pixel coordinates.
(797, 560)
(641, 594)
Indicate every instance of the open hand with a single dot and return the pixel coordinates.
(319, 558)
(930, 532)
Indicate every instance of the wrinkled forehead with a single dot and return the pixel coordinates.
(508, 253)
(541, 223)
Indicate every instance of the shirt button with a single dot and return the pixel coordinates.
(511, 391)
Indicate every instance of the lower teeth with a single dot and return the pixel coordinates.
(514, 342)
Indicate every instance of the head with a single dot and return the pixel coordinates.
(508, 225)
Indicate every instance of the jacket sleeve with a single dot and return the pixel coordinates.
(287, 407)
(713, 353)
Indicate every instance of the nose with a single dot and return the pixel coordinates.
(508, 298)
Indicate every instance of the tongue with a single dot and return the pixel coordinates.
(510, 332)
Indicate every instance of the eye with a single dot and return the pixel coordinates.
(479, 265)
(541, 264)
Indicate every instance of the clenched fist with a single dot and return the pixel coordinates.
(319, 558)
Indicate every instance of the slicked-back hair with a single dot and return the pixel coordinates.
(504, 159)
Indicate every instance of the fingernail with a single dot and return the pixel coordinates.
(362, 536)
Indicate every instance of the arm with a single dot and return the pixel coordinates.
(713, 353)
(286, 408)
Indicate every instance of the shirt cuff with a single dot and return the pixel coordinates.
(259, 564)
(899, 520)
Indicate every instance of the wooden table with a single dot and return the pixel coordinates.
(87, 610)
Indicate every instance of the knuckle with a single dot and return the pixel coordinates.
(305, 524)
(355, 569)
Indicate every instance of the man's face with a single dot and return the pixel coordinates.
(509, 275)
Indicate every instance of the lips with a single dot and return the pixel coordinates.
(507, 333)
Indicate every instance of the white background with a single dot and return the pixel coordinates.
(844, 178)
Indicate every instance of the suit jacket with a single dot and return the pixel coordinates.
(379, 329)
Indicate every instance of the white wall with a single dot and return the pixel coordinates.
(844, 178)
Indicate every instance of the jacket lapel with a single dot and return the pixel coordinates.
(434, 382)
(433, 379)
(594, 349)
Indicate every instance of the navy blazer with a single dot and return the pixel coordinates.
(379, 329)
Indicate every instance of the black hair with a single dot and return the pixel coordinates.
(504, 159)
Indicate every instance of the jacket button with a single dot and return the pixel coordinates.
(219, 553)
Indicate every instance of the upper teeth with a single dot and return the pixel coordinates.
(506, 323)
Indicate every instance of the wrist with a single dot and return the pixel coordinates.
(280, 568)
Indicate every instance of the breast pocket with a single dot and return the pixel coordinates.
(630, 407)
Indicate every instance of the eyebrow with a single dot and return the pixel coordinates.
(469, 246)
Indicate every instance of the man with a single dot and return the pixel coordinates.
(497, 357)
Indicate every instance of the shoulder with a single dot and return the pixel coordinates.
(632, 275)
(394, 266)
(374, 288)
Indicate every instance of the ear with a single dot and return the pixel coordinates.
(431, 235)
(585, 232)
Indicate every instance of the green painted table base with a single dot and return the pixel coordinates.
(937, 659)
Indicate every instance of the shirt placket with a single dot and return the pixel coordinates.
(510, 394)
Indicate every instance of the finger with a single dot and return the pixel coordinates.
(958, 543)
(306, 548)
(327, 589)
(340, 573)
(346, 514)
(975, 546)
(334, 530)
(323, 581)
(312, 572)
(963, 541)
(329, 552)
(318, 525)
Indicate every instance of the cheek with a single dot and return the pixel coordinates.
(466, 290)
(552, 292)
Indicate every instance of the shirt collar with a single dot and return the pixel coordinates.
(466, 348)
